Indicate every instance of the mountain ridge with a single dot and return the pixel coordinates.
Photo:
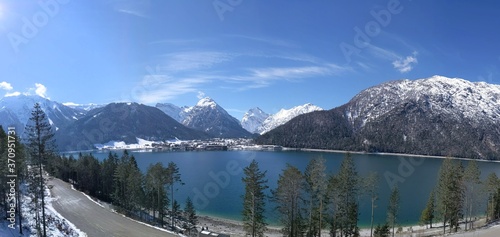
(123, 122)
(433, 116)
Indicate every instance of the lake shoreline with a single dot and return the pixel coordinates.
(383, 154)
(235, 228)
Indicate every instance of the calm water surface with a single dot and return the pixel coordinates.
(213, 179)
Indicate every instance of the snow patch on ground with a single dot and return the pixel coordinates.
(90, 198)
(117, 145)
(57, 225)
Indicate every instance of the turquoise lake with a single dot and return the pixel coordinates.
(213, 178)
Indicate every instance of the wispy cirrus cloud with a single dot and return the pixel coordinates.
(193, 60)
(269, 41)
(190, 71)
(406, 64)
(138, 8)
(400, 63)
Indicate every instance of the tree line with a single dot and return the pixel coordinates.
(311, 201)
(459, 194)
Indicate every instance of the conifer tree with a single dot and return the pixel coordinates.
(254, 200)
(492, 187)
(173, 177)
(40, 144)
(288, 196)
(449, 193)
(393, 208)
(428, 213)
(155, 183)
(316, 188)
(472, 182)
(190, 212)
(370, 187)
(345, 219)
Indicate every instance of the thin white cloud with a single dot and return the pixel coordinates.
(270, 41)
(133, 12)
(6, 86)
(138, 8)
(15, 93)
(41, 90)
(168, 90)
(383, 53)
(405, 64)
(201, 95)
(289, 72)
(179, 73)
(194, 60)
(400, 63)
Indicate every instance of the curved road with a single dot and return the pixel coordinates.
(93, 219)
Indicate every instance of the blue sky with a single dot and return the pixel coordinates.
(242, 53)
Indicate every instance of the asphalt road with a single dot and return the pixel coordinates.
(93, 219)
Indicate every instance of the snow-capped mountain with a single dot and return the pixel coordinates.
(434, 116)
(174, 111)
(211, 118)
(453, 97)
(16, 111)
(253, 119)
(83, 107)
(122, 122)
(285, 115)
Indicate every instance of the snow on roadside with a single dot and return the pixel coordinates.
(57, 225)
(60, 220)
(90, 198)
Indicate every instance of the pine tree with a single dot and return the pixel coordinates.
(370, 186)
(254, 200)
(176, 209)
(129, 192)
(135, 181)
(40, 145)
(346, 188)
(449, 192)
(108, 169)
(393, 208)
(316, 188)
(288, 197)
(156, 180)
(492, 186)
(382, 231)
(428, 213)
(173, 176)
(472, 182)
(190, 212)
